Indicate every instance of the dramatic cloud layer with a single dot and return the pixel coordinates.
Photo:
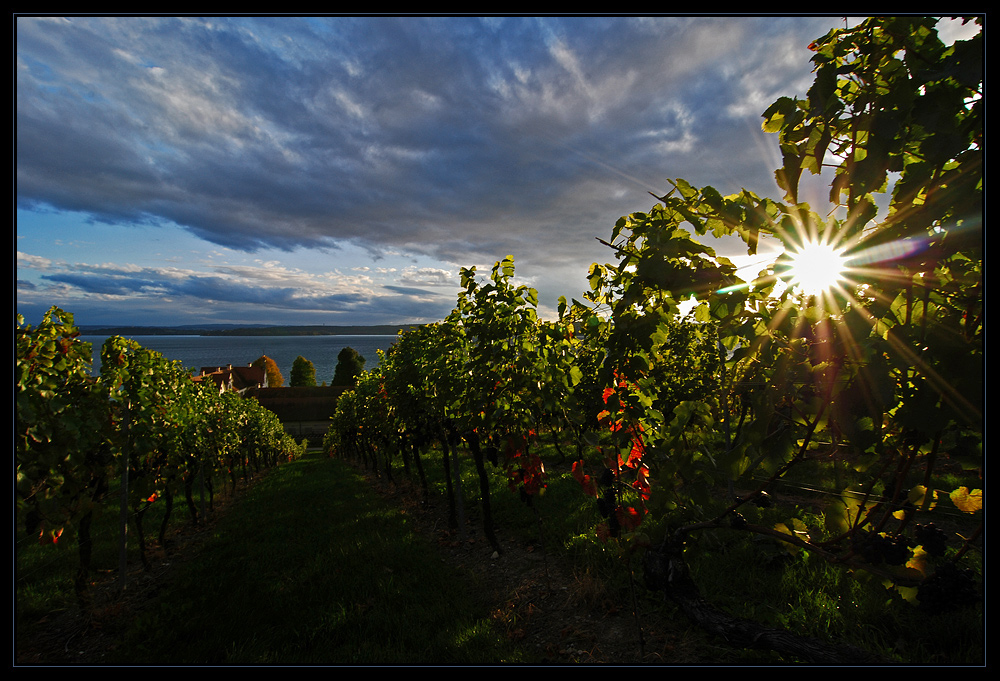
(342, 169)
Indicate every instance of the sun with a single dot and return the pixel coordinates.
(816, 268)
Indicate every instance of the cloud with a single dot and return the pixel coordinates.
(456, 138)
(428, 276)
(35, 262)
(255, 293)
(407, 291)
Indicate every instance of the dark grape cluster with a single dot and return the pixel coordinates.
(947, 589)
(933, 539)
(607, 503)
(903, 502)
(876, 548)
(760, 500)
(614, 526)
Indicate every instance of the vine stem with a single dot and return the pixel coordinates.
(635, 612)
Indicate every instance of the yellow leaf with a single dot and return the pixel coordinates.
(919, 561)
(800, 529)
(854, 509)
(967, 501)
(917, 497)
(836, 519)
(797, 530)
(909, 593)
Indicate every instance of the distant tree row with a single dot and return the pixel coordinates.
(350, 365)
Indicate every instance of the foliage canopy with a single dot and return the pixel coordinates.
(303, 373)
(350, 365)
(880, 374)
(274, 377)
(884, 370)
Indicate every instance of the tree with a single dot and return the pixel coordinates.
(882, 373)
(62, 427)
(349, 366)
(303, 373)
(274, 377)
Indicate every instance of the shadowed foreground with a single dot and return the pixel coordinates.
(311, 567)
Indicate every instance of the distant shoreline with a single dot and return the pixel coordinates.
(376, 330)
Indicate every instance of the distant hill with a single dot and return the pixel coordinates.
(258, 330)
(377, 330)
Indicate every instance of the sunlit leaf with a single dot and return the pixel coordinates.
(918, 497)
(967, 501)
(909, 593)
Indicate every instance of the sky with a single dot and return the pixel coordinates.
(342, 170)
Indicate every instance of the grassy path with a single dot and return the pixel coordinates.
(311, 567)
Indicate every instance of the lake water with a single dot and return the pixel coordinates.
(195, 352)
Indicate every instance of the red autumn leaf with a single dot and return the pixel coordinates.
(628, 518)
(510, 451)
(533, 485)
(45, 538)
(587, 482)
(638, 451)
(642, 482)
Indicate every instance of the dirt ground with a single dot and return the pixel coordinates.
(549, 606)
(75, 637)
(557, 614)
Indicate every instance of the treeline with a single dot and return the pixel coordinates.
(375, 330)
(314, 330)
(143, 426)
(350, 364)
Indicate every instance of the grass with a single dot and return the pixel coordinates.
(759, 580)
(44, 574)
(310, 567)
